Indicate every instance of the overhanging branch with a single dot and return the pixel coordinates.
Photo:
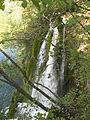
(25, 77)
(79, 22)
(15, 85)
(4, 81)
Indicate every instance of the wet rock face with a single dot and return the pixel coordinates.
(62, 65)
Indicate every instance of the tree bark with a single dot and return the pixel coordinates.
(15, 85)
(26, 79)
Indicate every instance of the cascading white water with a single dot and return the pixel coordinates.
(47, 78)
(42, 52)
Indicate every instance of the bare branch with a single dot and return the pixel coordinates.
(25, 77)
(47, 89)
(79, 22)
(81, 6)
(15, 85)
(12, 60)
(2, 80)
(51, 43)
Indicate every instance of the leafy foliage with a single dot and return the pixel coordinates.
(24, 3)
(70, 2)
(76, 45)
(87, 28)
(47, 2)
(72, 21)
(36, 3)
(2, 4)
(87, 3)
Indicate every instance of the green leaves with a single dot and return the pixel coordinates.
(44, 2)
(2, 42)
(39, 116)
(36, 3)
(87, 28)
(24, 4)
(71, 22)
(2, 4)
(69, 2)
(89, 39)
(63, 5)
(49, 75)
(47, 2)
(87, 3)
(74, 53)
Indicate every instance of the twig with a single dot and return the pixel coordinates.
(12, 61)
(79, 22)
(15, 85)
(47, 89)
(2, 80)
(51, 43)
(25, 77)
(81, 6)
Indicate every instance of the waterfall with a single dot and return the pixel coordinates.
(42, 52)
(47, 78)
(62, 67)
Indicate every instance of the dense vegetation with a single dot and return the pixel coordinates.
(25, 30)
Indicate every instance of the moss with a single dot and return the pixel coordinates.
(43, 65)
(2, 115)
(13, 106)
(33, 59)
(59, 25)
(49, 43)
(12, 110)
(31, 66)
(16, 97)
(59, 47)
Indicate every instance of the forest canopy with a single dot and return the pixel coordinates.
(24, 26)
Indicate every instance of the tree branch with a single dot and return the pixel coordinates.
(12, 61)
(25, 77)
(15, 85)
(76, 19)
(79, 22)
(2, 80)
(58, 109)
(81, 6)
(51, 43)
(47, 89)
